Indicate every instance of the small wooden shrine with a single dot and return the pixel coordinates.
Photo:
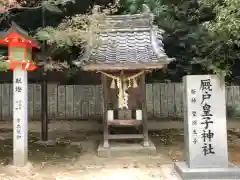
(130, 48)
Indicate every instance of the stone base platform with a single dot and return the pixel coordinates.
(123, 149)
(230, 173)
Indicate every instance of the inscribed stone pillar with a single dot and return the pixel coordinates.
(20, 117)
(205, 130)
(205, 121)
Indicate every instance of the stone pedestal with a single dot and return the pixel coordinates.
(124, 149)
(231, 172)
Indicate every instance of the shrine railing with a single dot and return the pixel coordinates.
(84, 101)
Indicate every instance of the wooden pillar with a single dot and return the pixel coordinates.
(144, 111)
(105, 103)
(44, 108)
(44, 94)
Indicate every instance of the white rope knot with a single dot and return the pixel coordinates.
(123, 86)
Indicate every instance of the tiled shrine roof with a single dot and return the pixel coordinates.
(129, 42)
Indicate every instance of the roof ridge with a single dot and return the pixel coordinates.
(126, 22)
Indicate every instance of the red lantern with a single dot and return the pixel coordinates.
(19, 48)
(29, 66)
(26, 65)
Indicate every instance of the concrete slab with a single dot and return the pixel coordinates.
(230, 173)
(124, 149)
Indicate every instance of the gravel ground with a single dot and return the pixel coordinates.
(73, 157)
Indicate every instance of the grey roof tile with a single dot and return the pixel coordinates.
(135, 46)
(133, 40)
(128, 21)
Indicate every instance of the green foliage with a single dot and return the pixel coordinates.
(74, 33)
(8, 11)
(202, 33)
(227, 21)
(51, 6)
(181, 23)
(3, 66)
(70, 32)
(76, 30)
(54, 5)
(3, 63)
(221, 47)
(28, 4)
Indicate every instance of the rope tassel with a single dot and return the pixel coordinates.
(122, 83)
(113, 84)
(129, 83)
(135, 85)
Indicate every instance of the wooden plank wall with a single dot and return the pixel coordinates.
(84, 101)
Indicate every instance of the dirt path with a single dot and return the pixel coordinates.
(74, 157)
(164, 172)
(90, 125)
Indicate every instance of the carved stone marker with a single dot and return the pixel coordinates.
(20, 61)
(20, 117)
(205, 131)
